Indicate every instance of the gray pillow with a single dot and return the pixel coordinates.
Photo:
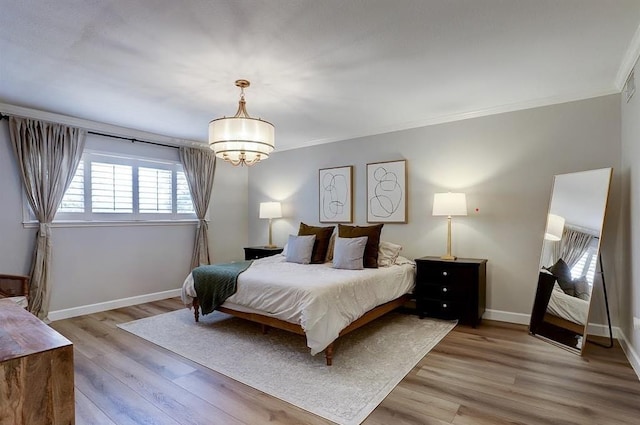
(348, 253)
(300, 248)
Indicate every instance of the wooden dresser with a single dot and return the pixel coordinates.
(36, 370)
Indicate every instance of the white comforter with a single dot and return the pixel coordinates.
(567, 307)
(321, 299)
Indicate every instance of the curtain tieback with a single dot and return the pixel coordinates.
(202, 223)
(45, 230)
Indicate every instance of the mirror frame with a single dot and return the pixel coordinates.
(546, 280)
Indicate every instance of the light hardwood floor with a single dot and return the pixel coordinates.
(493, 375)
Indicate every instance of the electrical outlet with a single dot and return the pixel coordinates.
(636, 323)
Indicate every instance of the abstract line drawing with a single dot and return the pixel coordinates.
(386, 192)
(335, 194)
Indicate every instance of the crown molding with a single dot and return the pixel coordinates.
(96, 126)
(512, 107)
(629, 60)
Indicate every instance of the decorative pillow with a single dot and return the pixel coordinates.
(373, 235)
(332, 243)
(323, 235)
(299, 249)
(348, 253)
(388, 253)
(581, 288)
(562, 272)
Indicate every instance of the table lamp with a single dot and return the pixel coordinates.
(270, 210)
(449, 204)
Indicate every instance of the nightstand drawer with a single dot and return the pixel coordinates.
(443, 309)
(443, 291)
(445, 274)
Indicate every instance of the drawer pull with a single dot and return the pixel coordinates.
(444, 273)
(444, 289)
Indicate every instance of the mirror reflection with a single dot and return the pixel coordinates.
(569, 259)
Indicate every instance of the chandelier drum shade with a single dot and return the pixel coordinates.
(241, 139)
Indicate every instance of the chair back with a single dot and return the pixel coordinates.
(14, 286)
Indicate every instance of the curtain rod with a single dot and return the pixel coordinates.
(96, 133)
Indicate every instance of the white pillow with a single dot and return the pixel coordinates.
(300, 248)
(388, 253)
(348, 253)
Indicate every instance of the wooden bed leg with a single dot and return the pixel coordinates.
(328, 354)
(196, 311)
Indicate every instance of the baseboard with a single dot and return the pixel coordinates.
(524, 319)
(603, 330)
(507, 316)
(632, 355)
(110, 305)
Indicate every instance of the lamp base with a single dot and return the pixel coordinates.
(448, 257)
(270, 246)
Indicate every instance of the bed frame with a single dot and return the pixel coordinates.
(564, 323)
(271, 322)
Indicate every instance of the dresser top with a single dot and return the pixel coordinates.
(22, 333)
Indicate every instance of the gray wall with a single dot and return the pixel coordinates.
(504, 163)
(629, 254)
(100, 264)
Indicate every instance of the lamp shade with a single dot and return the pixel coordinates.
(555, 226)
(270, 210)
(449, 204)
(241, 140)
(234, 136)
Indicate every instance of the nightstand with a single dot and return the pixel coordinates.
(451, 289)
(255, 252)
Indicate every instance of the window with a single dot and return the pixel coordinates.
(112, 188)
(586, 265)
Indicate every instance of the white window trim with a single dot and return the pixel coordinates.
(88, 219)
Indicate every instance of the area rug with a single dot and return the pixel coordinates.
(367, 364)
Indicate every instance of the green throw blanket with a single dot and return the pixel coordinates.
(217, 282)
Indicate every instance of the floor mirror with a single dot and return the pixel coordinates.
(569, 262)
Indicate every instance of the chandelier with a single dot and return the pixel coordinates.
(241, 140)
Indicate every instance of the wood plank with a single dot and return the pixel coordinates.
(117, 340)
(87, 413)
(243, 402)
(183, 406)
(405, 406)
(121, 404)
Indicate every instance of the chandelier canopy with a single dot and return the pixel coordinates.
(241, 140)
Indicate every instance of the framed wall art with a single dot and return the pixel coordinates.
(335, 188)
(387, 192)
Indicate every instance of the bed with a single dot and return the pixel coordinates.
(315, 300)
(567, 311)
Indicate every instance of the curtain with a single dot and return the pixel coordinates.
(48, 155)
(572, 246)
(199, 169)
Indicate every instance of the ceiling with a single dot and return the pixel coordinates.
(320, 70)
